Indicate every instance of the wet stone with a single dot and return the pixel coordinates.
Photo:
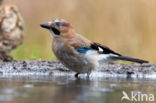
(55, 68)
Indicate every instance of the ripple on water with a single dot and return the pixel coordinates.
(9, 94)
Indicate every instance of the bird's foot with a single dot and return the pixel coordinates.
(77, 75)
(88, 74)
(5, 57)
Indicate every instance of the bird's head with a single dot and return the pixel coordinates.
(59, 28)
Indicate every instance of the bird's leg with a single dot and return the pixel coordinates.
(76, 75)
(88, 74)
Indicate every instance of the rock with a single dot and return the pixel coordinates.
(55, 68)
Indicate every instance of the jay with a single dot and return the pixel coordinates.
(78, 53)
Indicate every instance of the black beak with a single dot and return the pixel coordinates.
(45, 26)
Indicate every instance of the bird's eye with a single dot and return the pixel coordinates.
(58, 24)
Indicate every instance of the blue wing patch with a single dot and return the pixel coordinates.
(83, 49)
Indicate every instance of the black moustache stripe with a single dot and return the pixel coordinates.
(57, 32)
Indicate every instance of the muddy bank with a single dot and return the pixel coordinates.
(42, 67)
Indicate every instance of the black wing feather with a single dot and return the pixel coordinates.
(105, 49)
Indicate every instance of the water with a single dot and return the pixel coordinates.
(49, 89)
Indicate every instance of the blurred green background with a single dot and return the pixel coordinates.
(127, 26)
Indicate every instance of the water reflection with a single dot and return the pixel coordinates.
(69, 89)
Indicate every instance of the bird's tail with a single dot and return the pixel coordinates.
(129, 59)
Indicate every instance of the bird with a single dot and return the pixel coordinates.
(78, 53)
(11, 30)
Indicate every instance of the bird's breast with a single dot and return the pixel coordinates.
(71, 58)
(63, 52)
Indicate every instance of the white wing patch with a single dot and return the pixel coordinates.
(100, 49)
(94, 56)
